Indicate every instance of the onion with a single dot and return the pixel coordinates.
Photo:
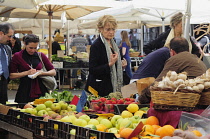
(207, 85)
(200, 86)
(182, 76)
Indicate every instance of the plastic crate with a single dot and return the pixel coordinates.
(86, 133)
(70, 64)
(29, 121)
(41, 129)
(61, 130)
(5, 118)
(118, 108)
(16, 117)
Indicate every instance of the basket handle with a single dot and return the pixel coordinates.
(177, 88)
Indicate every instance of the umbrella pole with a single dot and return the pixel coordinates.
(50, 41)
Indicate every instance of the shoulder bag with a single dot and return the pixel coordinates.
(48, 81)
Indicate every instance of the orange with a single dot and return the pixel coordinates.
(146, 137)
(125, 133)
(147, 129)
(197, 133)
(152, 120)
(134, 138)
(155, 138)
(155, 127)
(101, 127)
(117, 135)
(166, 130)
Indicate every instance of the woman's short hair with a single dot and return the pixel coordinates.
(106, 19)
(176, 19)
(31, 38)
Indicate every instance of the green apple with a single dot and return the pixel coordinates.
(143, 121)
(22, 110)
(91, 126)
(117, 123)
(42, 113)
(50, 113)
(80, 122)
(73, 132)
(101, 117)
(113, 130)
(106, 122)
(48, 109)
(63, 112)
(93, 121)
(69, 119)
(31, 111)
(135, 119)
(126, 123)
(72, 108)
(56, 107)
(48, 103)
(64, 106)
(85, 117)
(114, 119)
(40, 107)
(61, 102)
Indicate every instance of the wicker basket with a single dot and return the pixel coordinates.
(134, 54)
(205, 98)
(167, 100)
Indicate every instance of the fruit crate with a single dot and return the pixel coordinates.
(15, 116)
(87, 133)
(4, 117)
(41, 129)
(118, 108)
(29, 121)
(61, 130)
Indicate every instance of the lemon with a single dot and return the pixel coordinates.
(133, 108)
(139, 113)
(126, 114)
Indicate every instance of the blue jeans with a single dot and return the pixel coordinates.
(128, 68)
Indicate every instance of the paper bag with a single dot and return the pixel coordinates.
(144, 83)
(128, 90)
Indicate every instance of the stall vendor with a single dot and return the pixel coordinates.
(181, 60)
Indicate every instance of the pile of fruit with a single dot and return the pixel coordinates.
(106, 105)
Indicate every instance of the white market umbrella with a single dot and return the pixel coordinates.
(54, 8)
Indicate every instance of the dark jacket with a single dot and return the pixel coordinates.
(55, 46)
(99, 76)
(160, 41)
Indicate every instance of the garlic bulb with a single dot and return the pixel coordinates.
(161, 84)
(182, 76)
(168, 74)
(200, 86)
(191, 82)
(207, 85)
(196, 88)
(189, 88)
(173, 77)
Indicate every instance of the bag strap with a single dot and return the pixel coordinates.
(40, 57)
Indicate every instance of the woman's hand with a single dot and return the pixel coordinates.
(113, 59)
(31, 71)
(124, 63)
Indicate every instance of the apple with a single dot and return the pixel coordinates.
(58, 117)
(31, 111)
(106, 122)
(101, 117)
(85, 117)
(64, 106)
(42, 113)
(40, 107)
(80, 122)
(93, 121)
(28, 106)
(114, 119)
(91, 126)
(117, 123)
(73, 131)
(63, 112)
(135, 119)
(143, 121)
(56, 107)
(48, 109)
(72, 107)
(50, 113)
(22, 110)
(113, 130)
(126, 123)
(48, 103)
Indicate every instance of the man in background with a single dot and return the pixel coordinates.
(6, 33)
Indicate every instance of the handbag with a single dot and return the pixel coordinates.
(48, 81)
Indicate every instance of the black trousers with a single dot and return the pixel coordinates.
(3, 90)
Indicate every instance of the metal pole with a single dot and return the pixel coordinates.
(50, 41)
(42, 28)
(163, 24)
(67, 38)
(142, 39)
(187, 19)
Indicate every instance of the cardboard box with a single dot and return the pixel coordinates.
(57, 64)
(4, 109)
(144, 83)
